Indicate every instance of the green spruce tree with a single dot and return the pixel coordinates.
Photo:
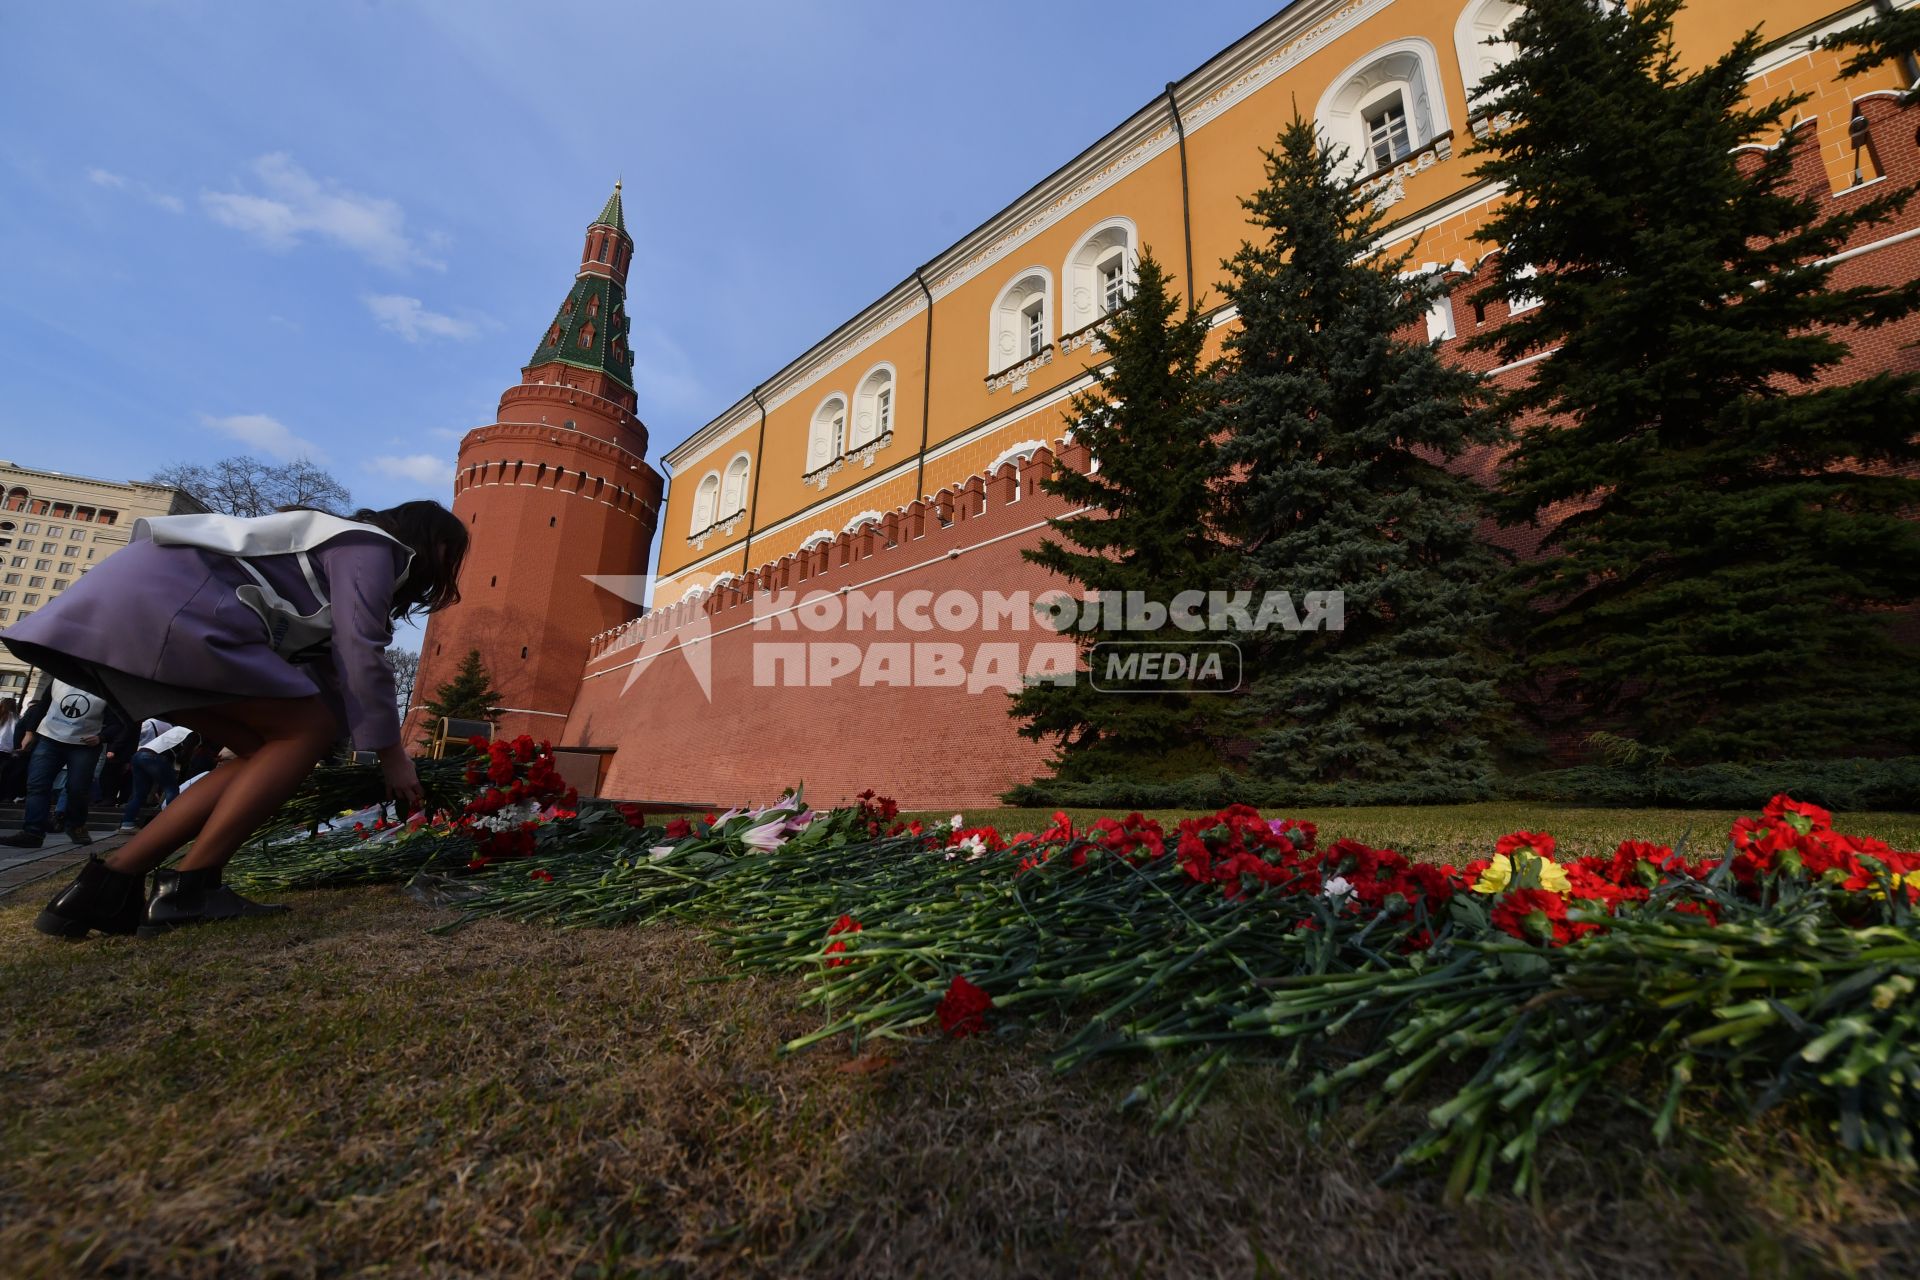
(1721, 532)
(470, 695)
(1337, 414)
(1892, 36)
(1148, 528)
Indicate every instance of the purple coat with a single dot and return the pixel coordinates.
(169, 614)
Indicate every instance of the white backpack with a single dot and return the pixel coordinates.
(298, 637)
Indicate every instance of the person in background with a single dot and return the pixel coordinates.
(119, 738)
(152, 767)
(13, 779)
(9, 730)
(68, 738)
(268, 636)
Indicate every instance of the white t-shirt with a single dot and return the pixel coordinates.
(160, 737)
(74, 715)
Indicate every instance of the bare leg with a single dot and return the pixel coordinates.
(279, 741)
(174, 825)
(297, 737)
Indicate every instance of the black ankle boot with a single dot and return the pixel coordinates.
(183, 898)
(99, 898)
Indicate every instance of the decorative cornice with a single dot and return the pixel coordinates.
(1016, 377)
(1388, 188)
(721, 528)
(1085, 336)
(861, 453)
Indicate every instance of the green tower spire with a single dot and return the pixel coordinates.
(590, 329)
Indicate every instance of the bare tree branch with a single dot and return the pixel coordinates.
(247, 486)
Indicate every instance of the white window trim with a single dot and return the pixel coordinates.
(1441, 324)
(1338, 114)
(706, 503)
(1080, 273)
(1015, 453)
(1521, 303)
(746, 479)
(864, 427)
(1007, 319)
(1471, 34)
(858, 522)
(820, 432)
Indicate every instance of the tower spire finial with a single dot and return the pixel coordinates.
(612, 215)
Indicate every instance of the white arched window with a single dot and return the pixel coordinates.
(733, 491)
(872, 407)
(828, 438)
(706, 501)
(1022, 319)
(1384, 107)
(1099, 273)
(1480, 38)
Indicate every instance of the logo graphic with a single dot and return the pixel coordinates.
(693, 638)
(75, 706)
(1143, 666)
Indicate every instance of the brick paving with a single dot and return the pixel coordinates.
(57, 857)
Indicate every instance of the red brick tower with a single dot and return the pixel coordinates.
(557, 488)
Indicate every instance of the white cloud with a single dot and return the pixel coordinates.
(267, 435)
(296, 205)
(424, 469)
(120, 182)
(407, 317)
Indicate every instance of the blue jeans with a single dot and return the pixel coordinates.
(47, 760)
(150, 770)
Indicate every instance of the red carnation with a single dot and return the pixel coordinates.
(963, 1010)
(1782, 805)
(1538, 841)
(679, 829)
(540, 873)
(1534, 915)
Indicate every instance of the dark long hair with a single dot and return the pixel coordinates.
(439, 543)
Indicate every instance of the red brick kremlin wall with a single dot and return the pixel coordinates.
(924, 746)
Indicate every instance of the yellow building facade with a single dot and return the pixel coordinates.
(53, 529)
(972, 359)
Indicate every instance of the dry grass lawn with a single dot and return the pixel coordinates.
(338, 1094)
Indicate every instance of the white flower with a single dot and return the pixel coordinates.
(975, 845)
(660, 851)
(1337, 887)
(956, 822)
(766, 837)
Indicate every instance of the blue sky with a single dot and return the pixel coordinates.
(338, 228)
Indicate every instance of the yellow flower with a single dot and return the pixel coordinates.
(1499, 874)
(1911, 880)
